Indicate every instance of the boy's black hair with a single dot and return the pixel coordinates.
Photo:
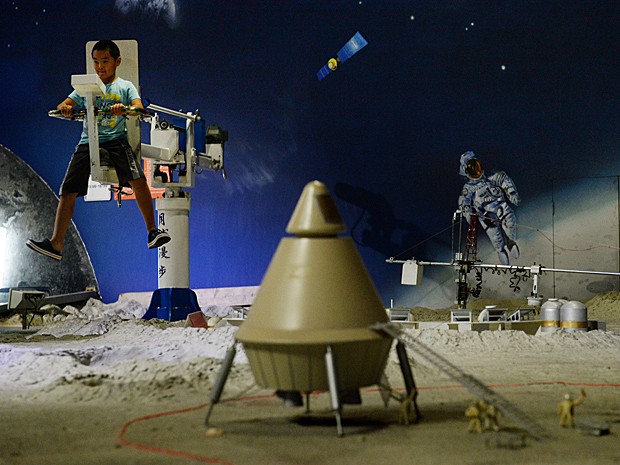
(108, 45)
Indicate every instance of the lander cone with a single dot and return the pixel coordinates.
(315, 293)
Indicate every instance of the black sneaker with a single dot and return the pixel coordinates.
(157, 238)
(44, 248)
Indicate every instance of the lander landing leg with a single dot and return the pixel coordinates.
(222, 376)
(332, 377)
(333, 388)
(412, 392)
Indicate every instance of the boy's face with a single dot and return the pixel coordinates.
(105, 66)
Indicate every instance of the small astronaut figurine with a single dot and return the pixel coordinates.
(566, 409)
(492, 198)
(490, 416)
(482, 417)
(475, 418)
(407, 413)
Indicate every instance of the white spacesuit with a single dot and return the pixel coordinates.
(493, 199)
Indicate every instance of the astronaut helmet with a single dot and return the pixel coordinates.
(470, 166)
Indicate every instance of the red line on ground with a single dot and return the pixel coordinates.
(178, 453)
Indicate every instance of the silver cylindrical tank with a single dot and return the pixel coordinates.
(550, 315)
(574, 316)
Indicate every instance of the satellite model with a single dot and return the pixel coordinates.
(354, 45)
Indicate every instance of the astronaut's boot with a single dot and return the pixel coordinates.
(513, 248)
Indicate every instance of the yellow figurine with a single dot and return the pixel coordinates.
(490, 416)
(566, 409)
(407, 415)
(482, 417)
(474, 414)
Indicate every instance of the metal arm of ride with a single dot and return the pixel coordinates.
(164, 148)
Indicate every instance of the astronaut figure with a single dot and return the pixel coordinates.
(566, 409)
(492, 198)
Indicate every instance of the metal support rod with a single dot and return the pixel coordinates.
(333, 388)
(405, 367)
(535, 285)
(560, 270)
(168, 111)
(385, 390)
(506, 267)
(420, 262)
(93, 137)
(222, 376)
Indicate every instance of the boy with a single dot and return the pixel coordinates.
(114, 145)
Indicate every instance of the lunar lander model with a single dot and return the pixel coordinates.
(309, 328)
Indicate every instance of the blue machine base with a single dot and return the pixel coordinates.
(172, 304)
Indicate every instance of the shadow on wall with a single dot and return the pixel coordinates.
(377, 227)
(27, 210)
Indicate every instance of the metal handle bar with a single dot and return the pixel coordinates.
(79, 113)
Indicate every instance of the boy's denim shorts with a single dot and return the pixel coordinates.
(115, 153)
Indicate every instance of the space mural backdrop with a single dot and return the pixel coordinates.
(530, 87)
